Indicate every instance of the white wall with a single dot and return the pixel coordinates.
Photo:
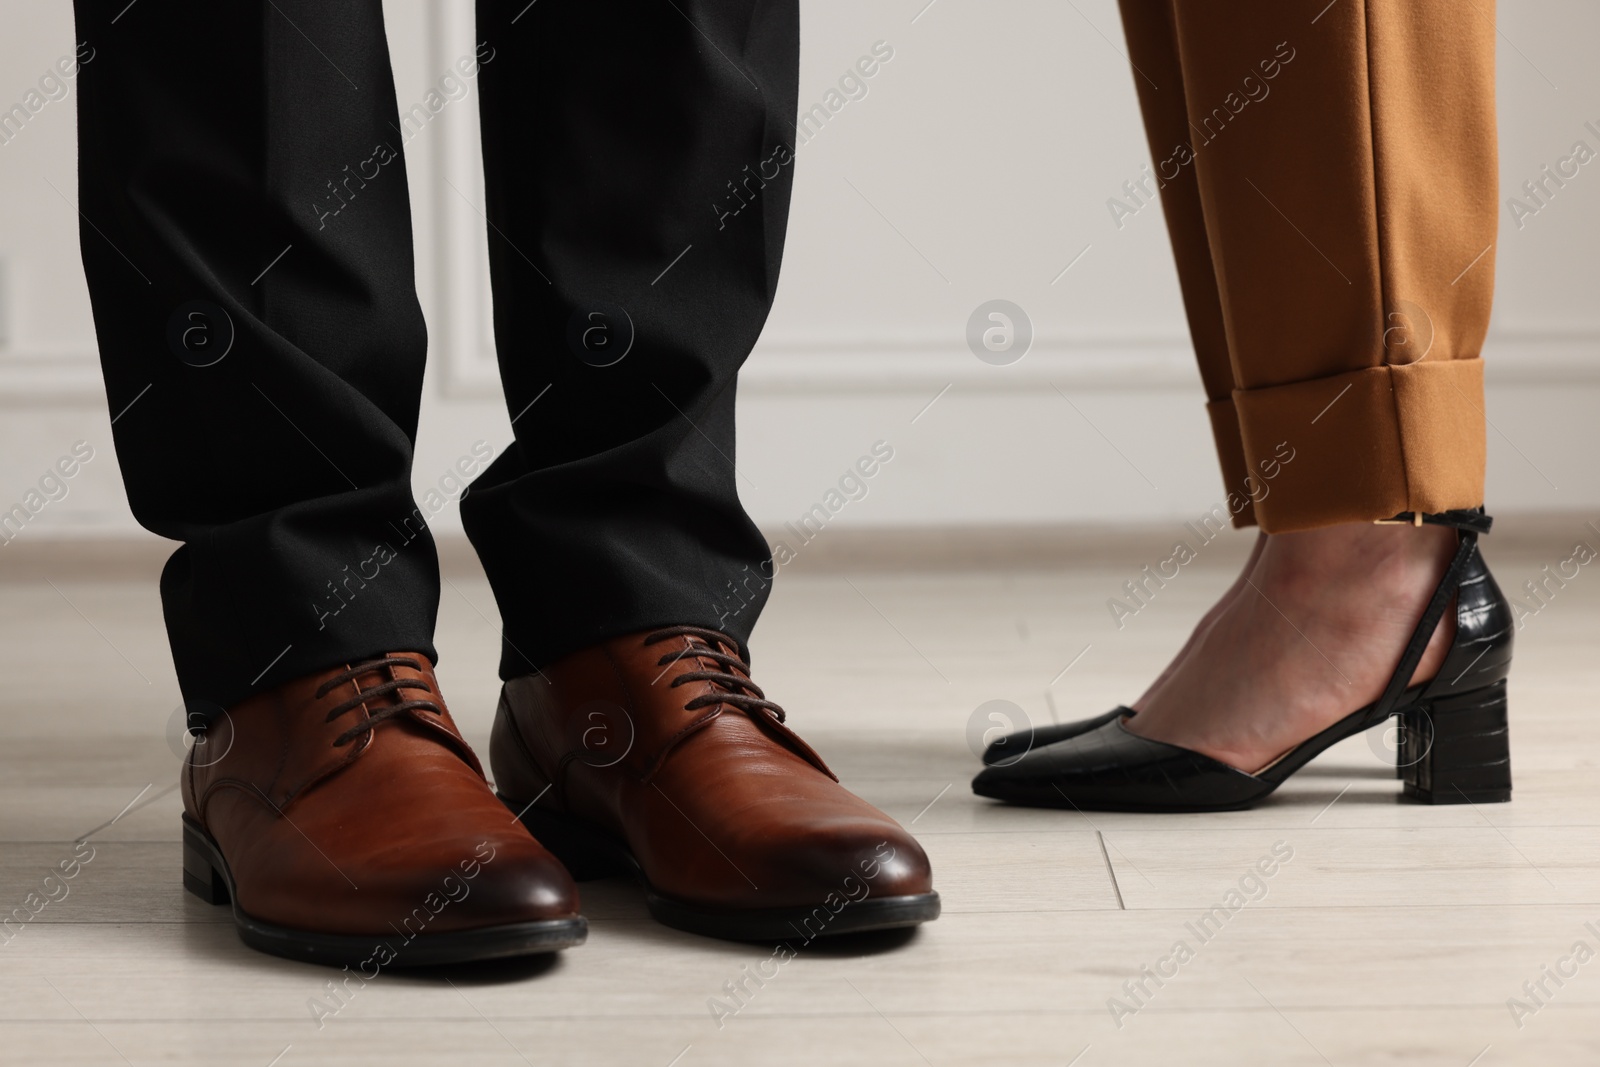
(978, 166)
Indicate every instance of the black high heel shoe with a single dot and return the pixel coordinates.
(1454, 746)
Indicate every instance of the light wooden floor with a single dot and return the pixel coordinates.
(1395, 934)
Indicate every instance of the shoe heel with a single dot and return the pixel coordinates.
(200, 875)
(583, 851)
(1457, 750)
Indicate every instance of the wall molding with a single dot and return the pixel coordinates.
(57, 379)
(824, 366)
(1132, 364)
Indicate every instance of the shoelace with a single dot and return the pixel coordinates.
(393, 685)
(737, 690)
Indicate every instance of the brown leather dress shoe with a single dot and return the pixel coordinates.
(655, 754)
(349, 823)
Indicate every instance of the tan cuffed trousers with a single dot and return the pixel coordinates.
(1328, 175)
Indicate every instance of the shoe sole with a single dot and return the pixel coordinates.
(1041, 797)
(588, 853)
(206, 875)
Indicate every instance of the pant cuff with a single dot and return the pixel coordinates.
(1366, 444)
(1236, 481)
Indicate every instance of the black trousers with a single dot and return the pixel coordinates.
(248, 248)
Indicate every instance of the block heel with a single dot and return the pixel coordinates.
(200, 874)
(1458, 749)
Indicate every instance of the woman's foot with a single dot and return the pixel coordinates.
(1238, 586)
(1011, 747)
(1312, 632)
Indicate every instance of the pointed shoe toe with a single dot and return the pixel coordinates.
(1003, 751)
(1110, 769)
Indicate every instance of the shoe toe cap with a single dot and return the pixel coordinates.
(849, 858)
(520, 883)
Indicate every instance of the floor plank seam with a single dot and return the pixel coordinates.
(1110, 870)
